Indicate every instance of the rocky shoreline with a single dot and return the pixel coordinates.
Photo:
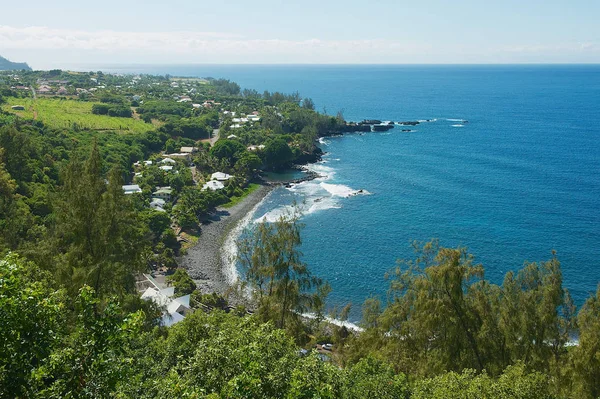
(204, 261)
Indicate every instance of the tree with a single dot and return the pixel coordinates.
(586, 356)
(375, 379)
(231, 150)
(514, 383)
(100, 241)
(282, 284)
(308, 103)
(32, 317)
(277, 153)
(443, 315)
(15, 216)
(182, 282)
(93, 360)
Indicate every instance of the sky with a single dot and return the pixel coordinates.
(67, 33)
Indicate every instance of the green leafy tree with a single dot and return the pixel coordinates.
(15, 216)
(32, 315)
(93, 361)
(182, 282)
(247, 164)
(373, 378)
(99, 236)
(277, 153)
(282, 284)
(231, 150)
(586, 355)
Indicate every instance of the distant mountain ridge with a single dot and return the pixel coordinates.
(6, 65)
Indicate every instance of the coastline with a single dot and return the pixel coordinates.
(204, 261)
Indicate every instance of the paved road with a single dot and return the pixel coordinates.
(215, 137)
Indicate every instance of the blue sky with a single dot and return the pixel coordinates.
(61, 33)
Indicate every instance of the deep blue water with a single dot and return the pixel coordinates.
(521, 179)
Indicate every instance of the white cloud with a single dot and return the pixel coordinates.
(47, 47)
(189, 46)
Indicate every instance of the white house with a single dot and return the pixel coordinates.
(188, 150)
(179, 155)
(166, 168)
(131, 189)
(256, 147)
(169, 160)
(220, 176)
(158, 204)
(175, 309)
(163, 193)
(213, 185)
(232, 136)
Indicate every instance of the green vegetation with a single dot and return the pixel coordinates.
(6, 65)
(72, 114)
(72, 243)
(281, 283)
(236, 200)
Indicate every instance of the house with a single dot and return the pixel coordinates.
(18, 108)
(213, 185)
(232, 136)
(166, 168)
(158, 204)
(197, 105)
(44, 89)
(220, 176)
(147, 163)
(188, 150)
(168, 160)
(180, 155)
(163, 193)
(256, 147)
(62, 91)
(175, 309)
(253, 118)
(131, 189)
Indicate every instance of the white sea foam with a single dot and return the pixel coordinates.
(339, 323)
(339, 190)
(455, 120)
(321, 169)
(229, 252)
(459, 125)
(427, 120)
(275, 214)
(323, 141)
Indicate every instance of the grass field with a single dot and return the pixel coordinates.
(236, 200)
(68, 113)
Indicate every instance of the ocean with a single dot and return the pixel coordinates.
(520, 179)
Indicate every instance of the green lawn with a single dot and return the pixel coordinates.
(236, 200)
(59, 113)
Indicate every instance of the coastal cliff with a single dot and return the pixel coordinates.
(6, 65)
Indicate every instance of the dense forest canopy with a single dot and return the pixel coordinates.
(72, 244)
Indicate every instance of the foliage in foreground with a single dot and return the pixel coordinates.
(108, 353)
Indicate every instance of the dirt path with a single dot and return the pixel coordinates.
(35, 114)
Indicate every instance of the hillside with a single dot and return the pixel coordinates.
(6, 65)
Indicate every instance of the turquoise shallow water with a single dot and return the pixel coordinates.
(520, 179)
